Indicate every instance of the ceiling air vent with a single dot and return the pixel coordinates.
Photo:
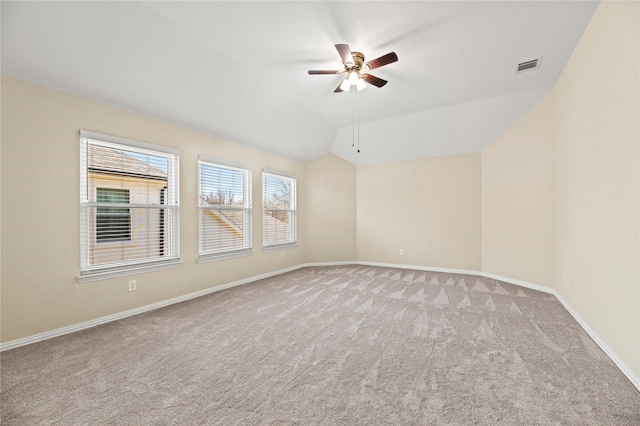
(528, 65)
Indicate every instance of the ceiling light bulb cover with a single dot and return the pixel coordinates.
(361, 85)
(353, 77)
(346, 85)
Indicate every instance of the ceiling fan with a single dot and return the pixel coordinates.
(357, 70)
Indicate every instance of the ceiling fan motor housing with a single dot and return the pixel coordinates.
(358, 60)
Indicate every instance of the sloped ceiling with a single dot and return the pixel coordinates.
(238, 70)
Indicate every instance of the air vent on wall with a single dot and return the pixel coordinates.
(534, 64)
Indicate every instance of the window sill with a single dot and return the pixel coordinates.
(275, 247)
(124, 271)
(223, 256)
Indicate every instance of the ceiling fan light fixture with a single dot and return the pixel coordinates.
(355, 67)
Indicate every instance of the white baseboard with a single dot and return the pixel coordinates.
(347, 262)
(519, 283)
(420, 268)
(120, 315)
(624, 368)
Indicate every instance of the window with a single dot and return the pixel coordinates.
(225, 210)
(278, 210)
(128, 204)
(113, 223)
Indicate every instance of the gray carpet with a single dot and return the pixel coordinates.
(350, 345)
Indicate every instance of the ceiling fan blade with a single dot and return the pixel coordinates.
(389, 58)
(345, 54)
(372, 79)
(315, 72)
(338, 89)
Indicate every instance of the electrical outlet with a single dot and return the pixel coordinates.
(401, 252)
(132, 285)
(282, 255)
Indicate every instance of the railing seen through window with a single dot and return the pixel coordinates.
(278, 209)
(225, 209)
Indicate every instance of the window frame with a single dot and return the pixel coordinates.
(292, 210)
(246, 208)
(169, 206)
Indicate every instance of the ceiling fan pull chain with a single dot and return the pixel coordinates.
(358, 108)
(353, 120)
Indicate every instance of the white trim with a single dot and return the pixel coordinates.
(205, 167)
(464, 272)
(129, 205)
(120, 315)
(89, 272)
(519, 283)
(100, 137)
(224, 163)
(279, 173)
(212, 257)
(313, 264)
(624, 368)
(420, 268)
(284, 246)
(131, 270)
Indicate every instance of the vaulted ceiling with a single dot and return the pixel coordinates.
(238, 70)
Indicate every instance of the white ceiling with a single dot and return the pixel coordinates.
(238, 70)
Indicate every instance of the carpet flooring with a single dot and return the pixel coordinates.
(347, 345)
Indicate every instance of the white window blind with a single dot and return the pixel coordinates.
(128, 204)
(278, 209)
(225, 209)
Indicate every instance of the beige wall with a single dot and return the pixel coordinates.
(40, 163)
(561, 188)
(330, 224)
(517, 199)
(40, 212)
(430, 208)
(597, 179)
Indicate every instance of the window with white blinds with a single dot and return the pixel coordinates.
(278, 210)
(225, 210)
(128, 204)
